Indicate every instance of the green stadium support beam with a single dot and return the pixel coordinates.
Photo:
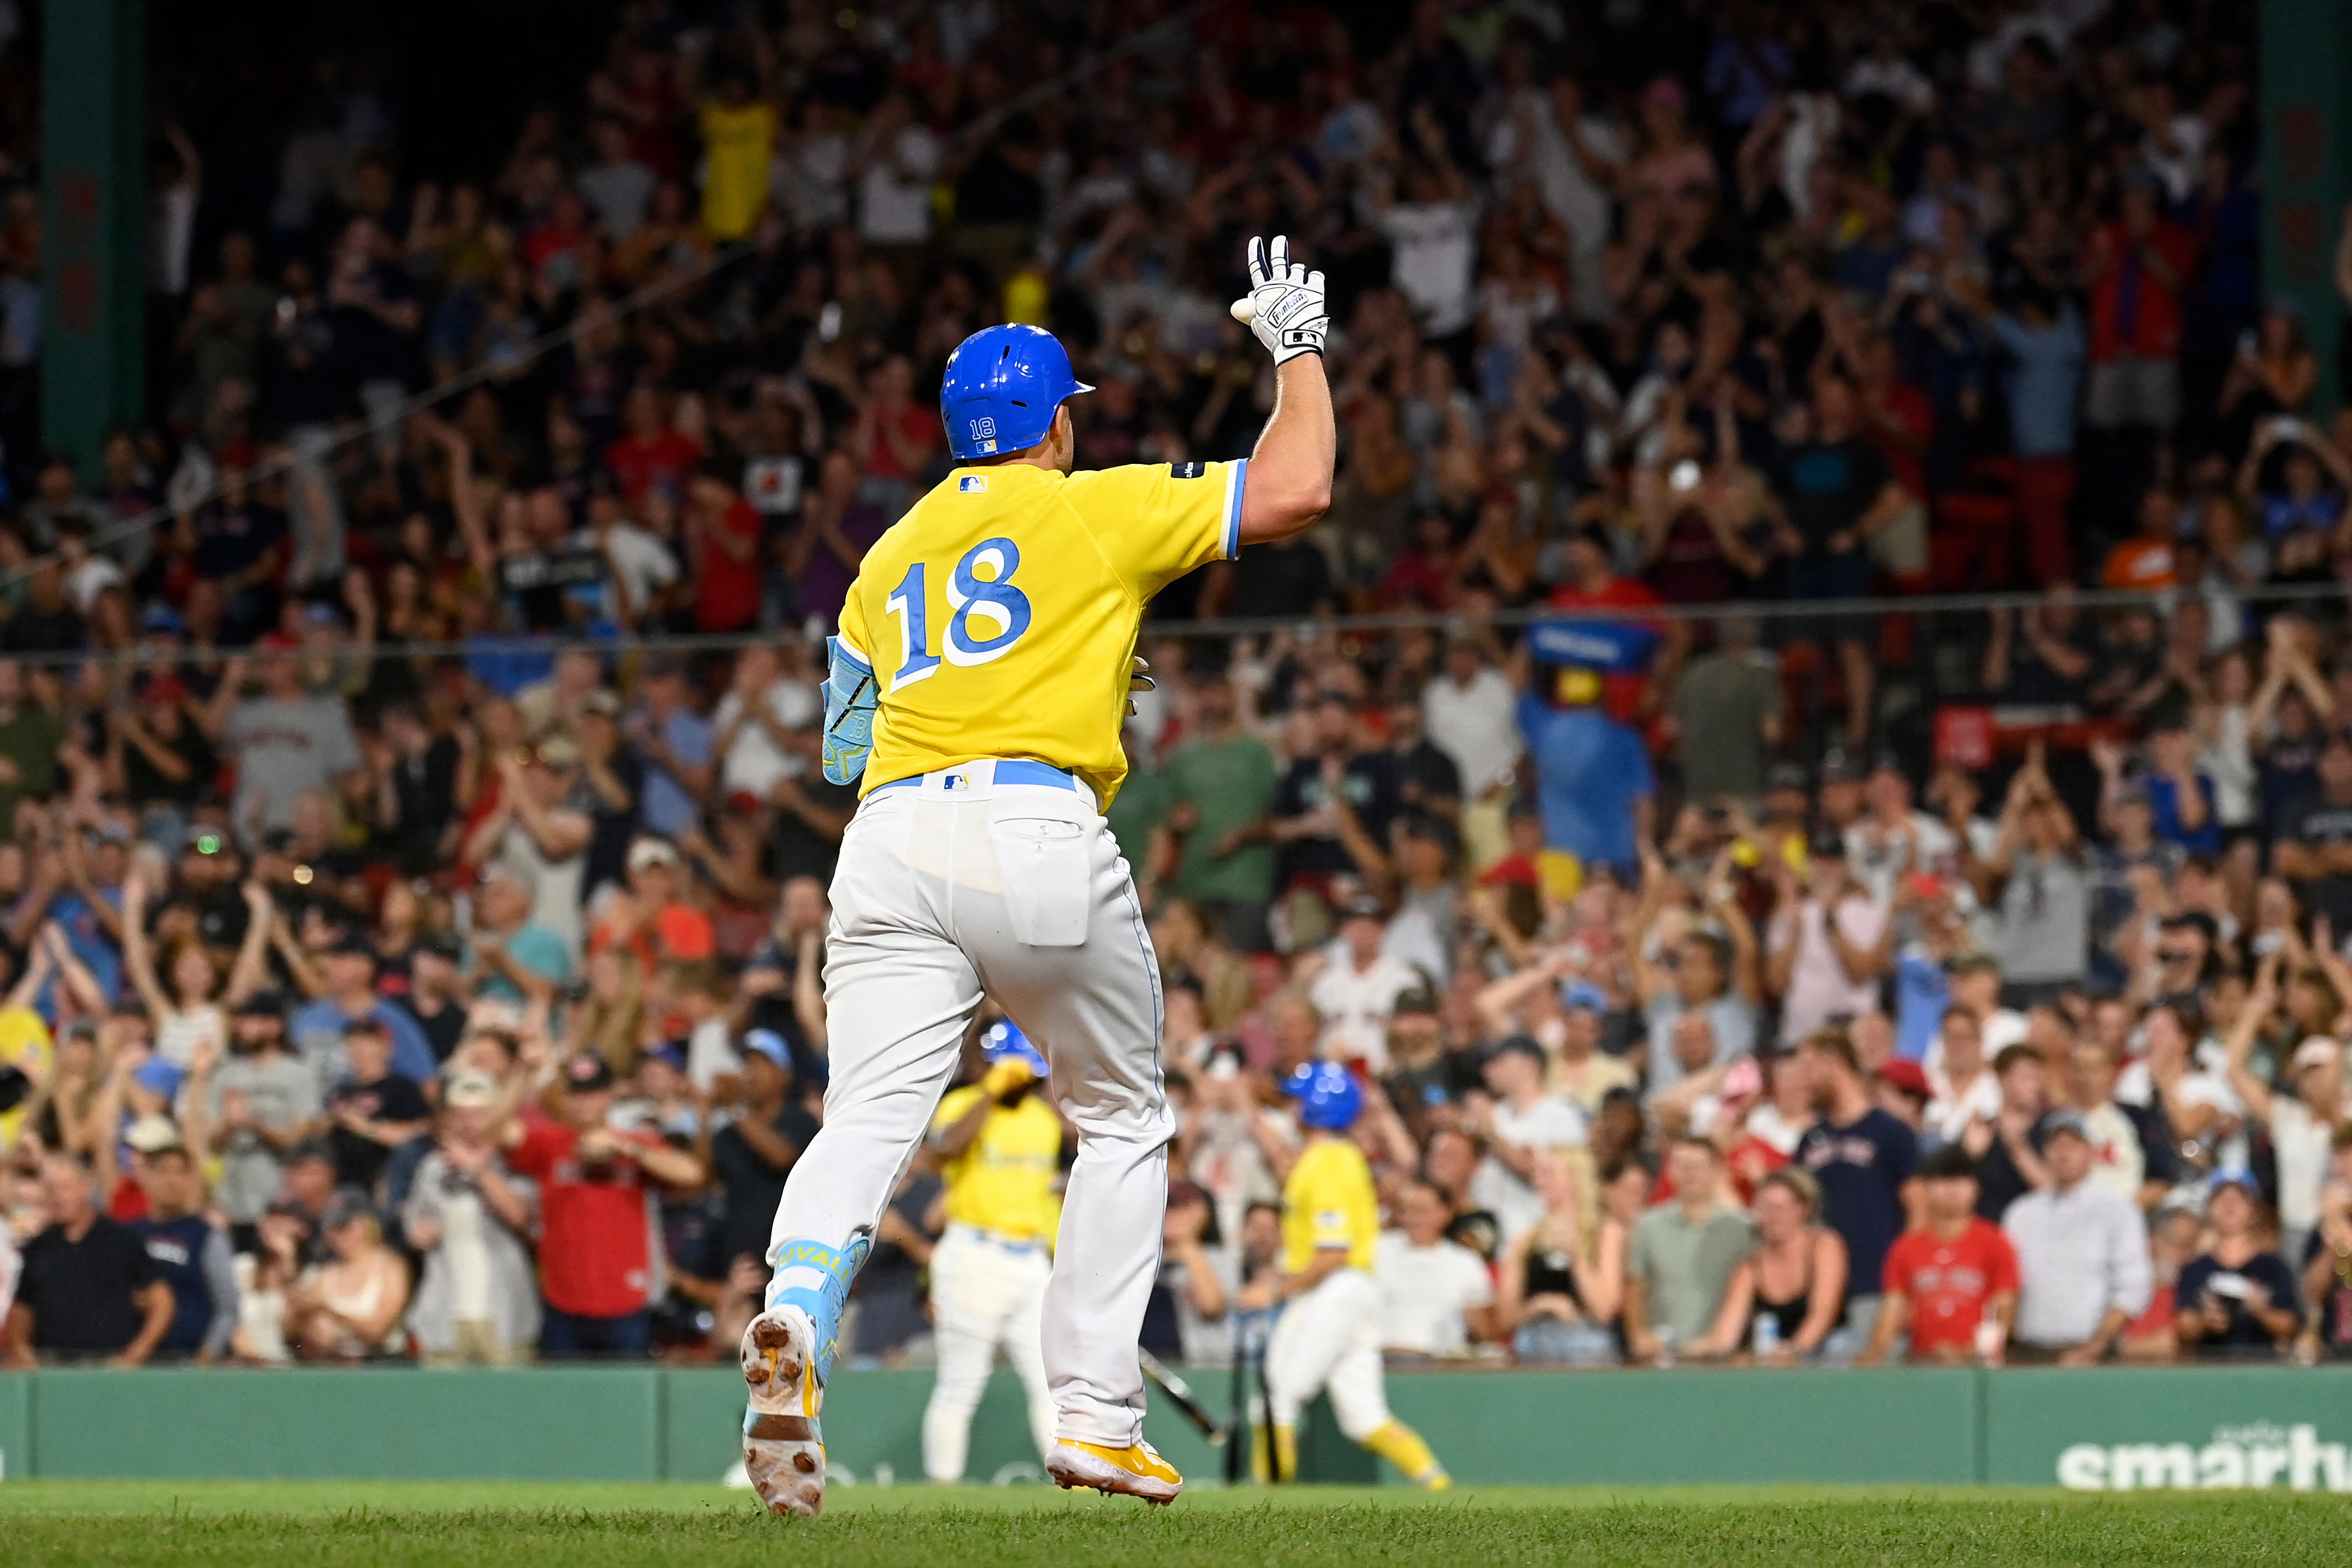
(93, 221)
(2306, 103)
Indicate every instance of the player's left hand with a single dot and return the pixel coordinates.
(1140, 679)
(1284, 306)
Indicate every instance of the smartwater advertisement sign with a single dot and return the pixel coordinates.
(2184, 1429)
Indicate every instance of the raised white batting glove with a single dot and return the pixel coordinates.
(1285, 305)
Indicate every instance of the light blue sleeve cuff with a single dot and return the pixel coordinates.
(1236, 481)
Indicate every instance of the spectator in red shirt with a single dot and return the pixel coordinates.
(1591, 583)
(596, 1258)
(648, 918)
(894, 436)
(1944, 1281)
(722, 542)
(1423, 577)
(651, 453)
(2136, 264)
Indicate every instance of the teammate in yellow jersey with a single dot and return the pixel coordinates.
(976, 691)
(1001, 1147)
(1329, 1336)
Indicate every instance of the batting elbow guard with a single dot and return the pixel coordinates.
(850, 700)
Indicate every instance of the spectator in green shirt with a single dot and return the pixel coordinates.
(1219, 786)
(30, 736)
(1679, 1265)
(1137, 817)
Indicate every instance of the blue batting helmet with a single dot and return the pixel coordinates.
(1006, 1042)
(1327, 1095)
(1002, 387)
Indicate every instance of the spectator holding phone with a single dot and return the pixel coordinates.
(2236, 1298)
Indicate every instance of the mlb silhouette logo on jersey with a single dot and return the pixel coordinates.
(972, 484)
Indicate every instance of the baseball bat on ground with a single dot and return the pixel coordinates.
(1181, 1392)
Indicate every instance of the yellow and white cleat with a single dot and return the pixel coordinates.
(784, 1450)
(1137, 1470)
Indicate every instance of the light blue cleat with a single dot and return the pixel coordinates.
(788, 1351)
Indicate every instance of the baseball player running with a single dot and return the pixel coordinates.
(1329, 1336)
(1000, 1148)
(977, 689)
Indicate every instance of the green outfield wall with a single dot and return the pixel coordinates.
(2109, 1429)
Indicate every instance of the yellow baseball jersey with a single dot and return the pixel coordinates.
(1329, 1202)
(1000, 615)
(1003, 1180)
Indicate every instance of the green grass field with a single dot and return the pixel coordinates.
(509, 1525)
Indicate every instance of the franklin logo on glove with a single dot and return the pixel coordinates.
(1284, 306)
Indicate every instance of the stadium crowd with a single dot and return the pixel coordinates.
(381, 983)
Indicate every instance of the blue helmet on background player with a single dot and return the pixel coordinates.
(1330, 1098)
(1002, 386)
(1004, 1042)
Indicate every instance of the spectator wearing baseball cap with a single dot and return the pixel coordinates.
(373, 1111)
(1420, 1073)
(436, 995)
(2082, 1255)
(352, 1308)
(1520, 1120)
(2302, 1124)
(262, 1101)
(1358, 986)
(613, 782)
(1580, 1069)
(1902, 1091)
(347, 966)
(2237, 1297)
(165, 762)
(597, 1244)
(649, 917)
(753, 1154)
(470, 1219)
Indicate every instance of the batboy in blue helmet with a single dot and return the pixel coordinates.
(1330, 1100)
(1006, 1042)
